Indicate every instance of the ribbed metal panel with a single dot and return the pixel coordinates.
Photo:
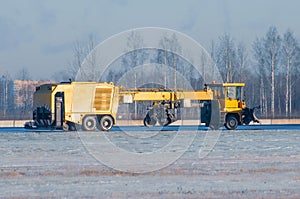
(102, 99)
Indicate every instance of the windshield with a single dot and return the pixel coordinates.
(231, 92)
(228, 92)
(234, 92)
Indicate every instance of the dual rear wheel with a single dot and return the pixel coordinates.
(92, 123)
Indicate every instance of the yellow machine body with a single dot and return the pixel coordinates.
(95, 105)
(77, 100)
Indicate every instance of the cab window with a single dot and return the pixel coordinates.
(239, 93)
(231, 92)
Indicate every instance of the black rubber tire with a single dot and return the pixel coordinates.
(65, 127)
(231, 122)
(72, 126)
(148, 122)
(106, 123)
(89, 123)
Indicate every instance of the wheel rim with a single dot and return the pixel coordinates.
(106, 123)
(90, 123)
(231, 123)
(148, 122)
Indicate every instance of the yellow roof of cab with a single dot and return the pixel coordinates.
(226, 84)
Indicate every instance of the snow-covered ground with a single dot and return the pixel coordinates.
(253, 162)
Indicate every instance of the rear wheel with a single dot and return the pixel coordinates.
(231, 122)
(106, 123)
(89, 123)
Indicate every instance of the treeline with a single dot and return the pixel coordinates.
(270, 67)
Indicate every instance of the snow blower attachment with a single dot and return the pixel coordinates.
(93, 106)
(249, 115)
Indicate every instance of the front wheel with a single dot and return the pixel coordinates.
(106, 123)
(231, 122)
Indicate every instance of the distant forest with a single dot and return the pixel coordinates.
(270, 68)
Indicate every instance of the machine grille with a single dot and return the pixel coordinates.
(102, 99)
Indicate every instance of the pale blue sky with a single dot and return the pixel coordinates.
(39, 35)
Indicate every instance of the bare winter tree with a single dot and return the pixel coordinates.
(241, 62)
(259, 57)
(226, 58)
(289, 57)
(79, 53)
(5, 107)
(246, 74)
(162, 57)
(134, 57)
(213, 52)
(24, 74)
(83, 51)
(272, 44)
(168, 56)
(25, 92)
(175, 48)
